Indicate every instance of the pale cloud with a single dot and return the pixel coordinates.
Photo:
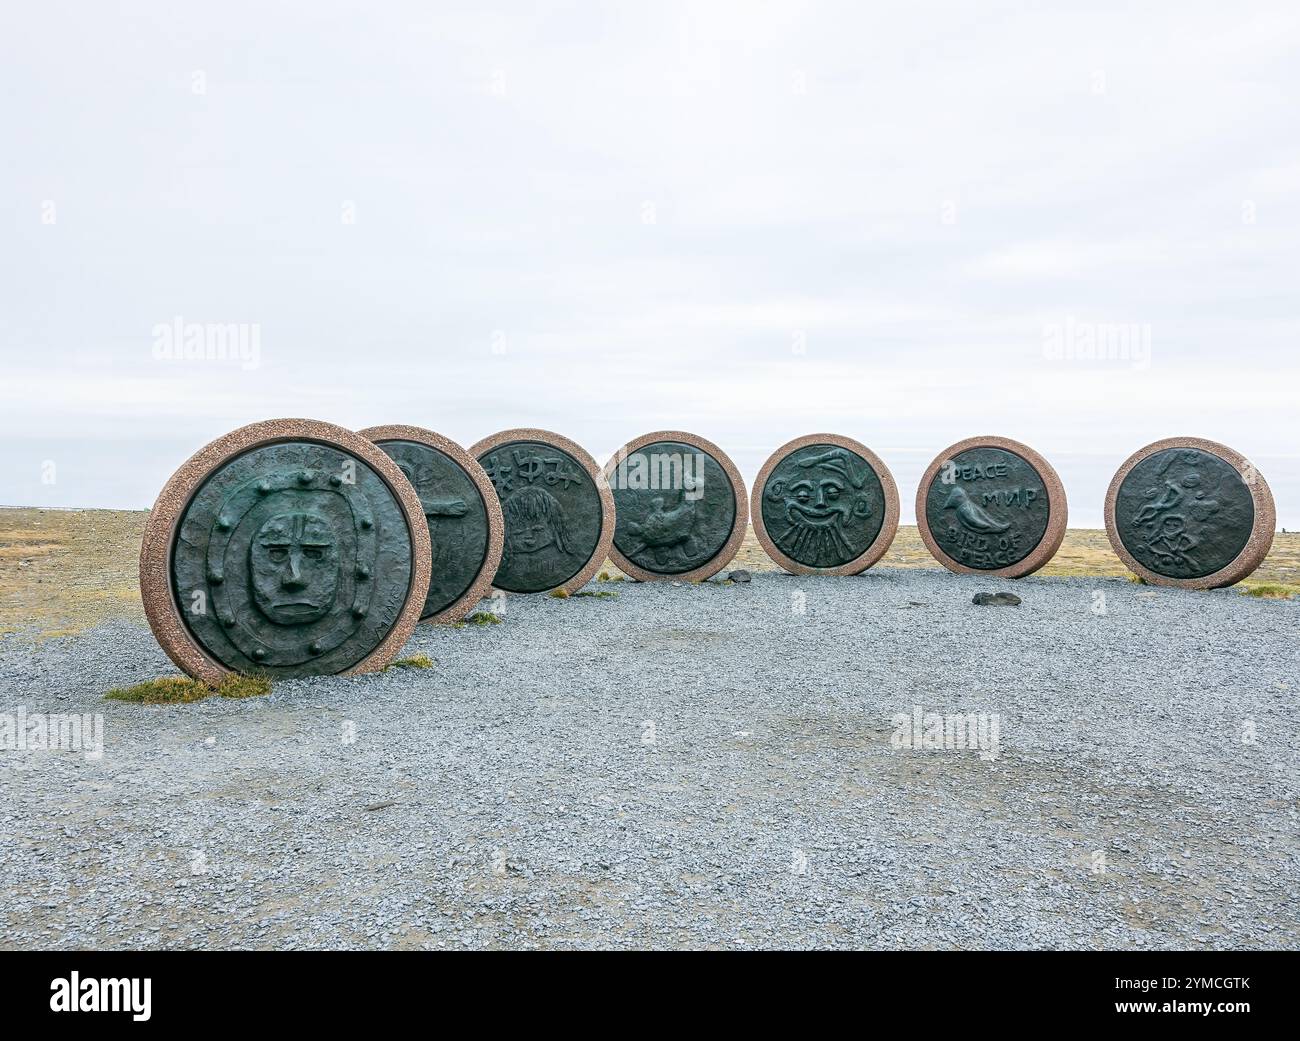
(756, 220)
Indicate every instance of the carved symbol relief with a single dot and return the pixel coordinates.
(987, 508)
(456, 517)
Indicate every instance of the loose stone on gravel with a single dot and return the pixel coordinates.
(996, 600)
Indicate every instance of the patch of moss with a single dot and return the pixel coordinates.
(181, 690)
(415, 661)
(1271, 591)
(1137, 580)
(559, 594)
(480, 618)
(599, 594)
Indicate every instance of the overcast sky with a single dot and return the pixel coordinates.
(905, 223)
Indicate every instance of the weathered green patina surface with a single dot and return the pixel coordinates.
(292, 559)
(457, 518)
(552, 513)
(675, 507)
(1184, 513)
(987, 508)
(823, 505)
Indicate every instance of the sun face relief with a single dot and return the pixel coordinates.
(294, 568)
(292, 559)
(823, 506)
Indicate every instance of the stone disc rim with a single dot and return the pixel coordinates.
(1057, 508)
(482, 583)
(584, 459)
(1252, 553)
(888, 528)
(161, 609)
(740, 524)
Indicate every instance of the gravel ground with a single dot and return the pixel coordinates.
(690, 766)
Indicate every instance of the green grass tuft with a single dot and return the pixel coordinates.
(415, 661)
(1271, 591)
(480, 618)
(599, 594)
(244, 687)
(559, 594)
(181, 690)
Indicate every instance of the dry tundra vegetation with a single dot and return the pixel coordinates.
(63, 571)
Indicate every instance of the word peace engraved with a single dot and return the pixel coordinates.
(293, 558)
(823, 506)
(1184, 513)
(675, 507)
(456, 515)
(553, 515)
(987, 508)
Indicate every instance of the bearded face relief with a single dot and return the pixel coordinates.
(1184, 513)
(294, 568)
(823, 506)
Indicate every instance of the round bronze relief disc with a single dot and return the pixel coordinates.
(991, 506)
(825, 505)
(1189, 512)
(285, 548)
(681, 507)
(556, 507)
(462, 512)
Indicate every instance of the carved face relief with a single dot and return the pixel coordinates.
(534, 521)
(294, 568)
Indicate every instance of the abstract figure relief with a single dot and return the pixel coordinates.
(1184, 513)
